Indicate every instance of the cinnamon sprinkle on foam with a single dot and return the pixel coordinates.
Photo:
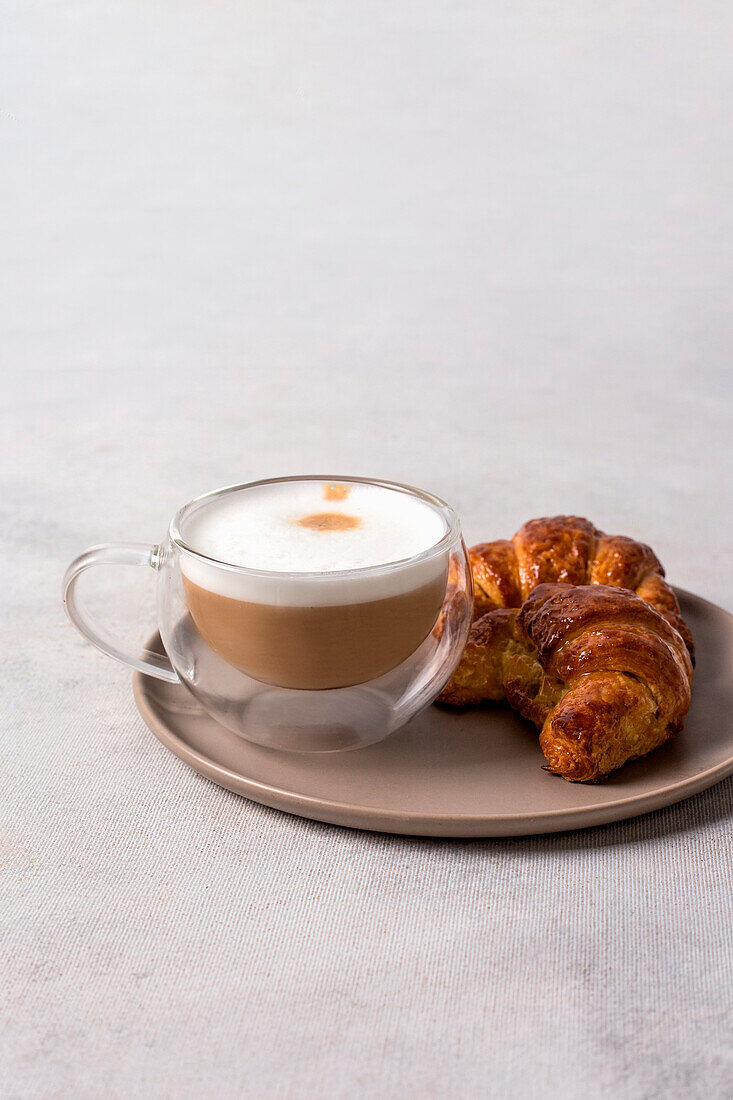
(329, 521)
(335, 492)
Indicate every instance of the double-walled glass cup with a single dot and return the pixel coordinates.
(301, 661)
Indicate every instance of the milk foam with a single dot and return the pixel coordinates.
(260, 528)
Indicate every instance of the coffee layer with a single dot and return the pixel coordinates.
(316, 647)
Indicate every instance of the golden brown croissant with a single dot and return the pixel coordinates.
(599, 670)
(568, 549)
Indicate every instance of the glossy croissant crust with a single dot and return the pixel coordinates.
(568, 550)
(605, 673)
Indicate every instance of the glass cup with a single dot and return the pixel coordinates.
(284, 659)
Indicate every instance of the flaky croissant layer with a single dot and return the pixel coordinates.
(568, 550)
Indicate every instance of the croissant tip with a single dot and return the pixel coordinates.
(551, 771)
(571, 778)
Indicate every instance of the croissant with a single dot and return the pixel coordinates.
(603, 674)
(562, 549)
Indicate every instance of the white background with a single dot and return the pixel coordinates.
(481, 247)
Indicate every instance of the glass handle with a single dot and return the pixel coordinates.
(115, 553)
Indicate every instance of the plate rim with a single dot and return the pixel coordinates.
(450, 824)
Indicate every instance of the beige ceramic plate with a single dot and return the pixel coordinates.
(470, 774)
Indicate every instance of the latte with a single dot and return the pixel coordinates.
(314, 584)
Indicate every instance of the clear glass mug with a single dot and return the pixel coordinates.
(243, 658)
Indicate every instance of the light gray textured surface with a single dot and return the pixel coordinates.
(483, 247)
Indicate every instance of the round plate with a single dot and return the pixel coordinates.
(469, 774)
